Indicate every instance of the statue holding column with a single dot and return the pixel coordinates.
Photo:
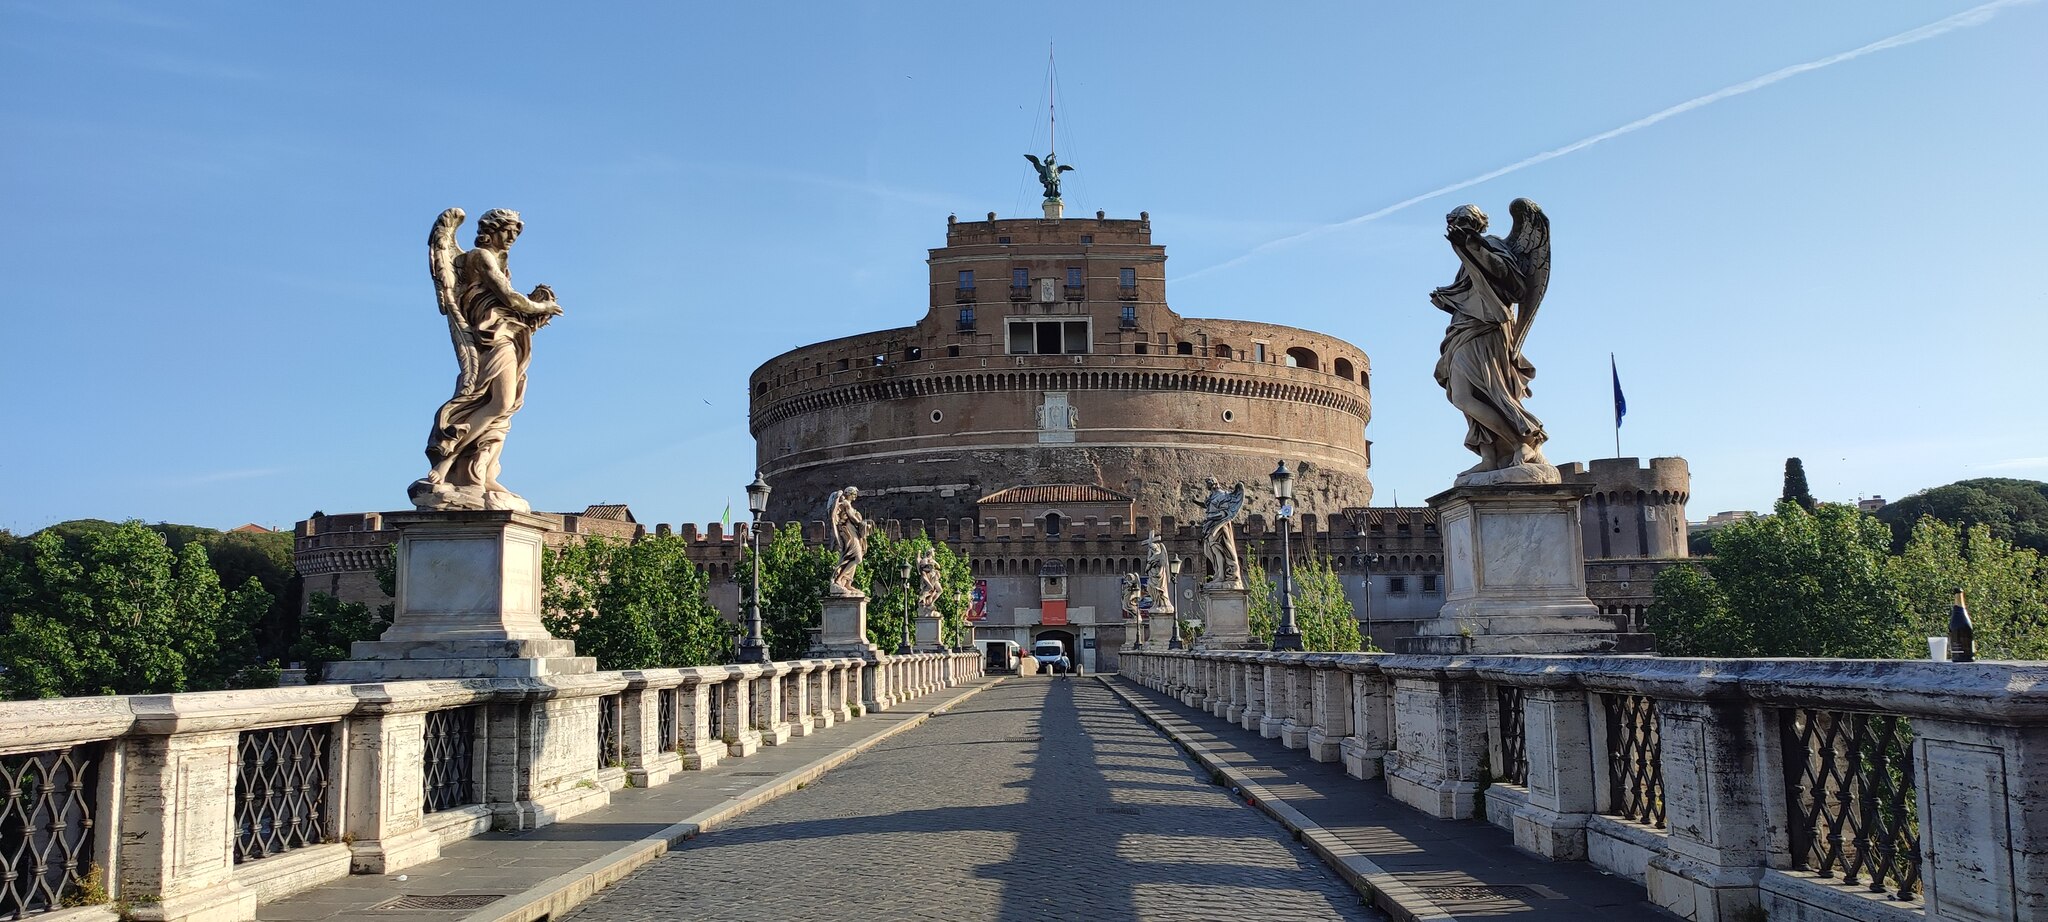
(1219, 541)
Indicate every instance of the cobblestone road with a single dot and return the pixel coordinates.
(1041, 798)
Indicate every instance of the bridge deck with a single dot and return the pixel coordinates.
(1042, 798)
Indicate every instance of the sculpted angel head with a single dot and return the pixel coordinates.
(1466, 217)
(499, 223)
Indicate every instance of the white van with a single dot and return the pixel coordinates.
(999, 656)
(1052, 656)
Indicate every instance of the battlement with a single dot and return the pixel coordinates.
(1669, 476)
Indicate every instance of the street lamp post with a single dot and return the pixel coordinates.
(1288, 635)
(754, 649)
(904, 649)
(1173, 568)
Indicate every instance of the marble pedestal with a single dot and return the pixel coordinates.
(928, 635)
(1159, 627)
(1515, 577)
(1226, 619)
(468, 604)
(844, 630)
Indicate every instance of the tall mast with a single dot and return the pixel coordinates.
(1052, 103)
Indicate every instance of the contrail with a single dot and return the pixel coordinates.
(1973, 16)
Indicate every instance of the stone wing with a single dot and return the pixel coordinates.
(1530, 241)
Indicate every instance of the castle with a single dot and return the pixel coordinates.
(1049, 410)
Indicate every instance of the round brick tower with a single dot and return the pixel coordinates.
(1048, 356)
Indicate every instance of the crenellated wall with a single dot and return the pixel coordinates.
(1634, 511)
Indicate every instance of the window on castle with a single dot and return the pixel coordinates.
(1049, 337)
(1073, 276)
(1397, 585)
(1020, 278)
(1003, 240)
(1129, 317)
(1428, 582)
(967, 278)
(1052, 524)
(1185, 348)
(1087, 239)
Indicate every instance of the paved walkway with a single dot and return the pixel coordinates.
(1459, 869)
(548, 869)
(1042, 798)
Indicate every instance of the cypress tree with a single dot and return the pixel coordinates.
(1795, 484)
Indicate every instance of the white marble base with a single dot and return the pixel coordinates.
(1515, 577)
(845, 631)
(1226, 619)
(468, 604)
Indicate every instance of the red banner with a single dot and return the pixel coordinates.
(1053, 612)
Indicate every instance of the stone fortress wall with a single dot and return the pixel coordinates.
(1388, 559)
(1107, 385)
(1634, 528)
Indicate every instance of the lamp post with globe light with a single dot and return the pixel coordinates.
(754, 648)
(1288, 635)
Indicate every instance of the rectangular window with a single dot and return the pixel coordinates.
(1130, 316)
(1259, 352)
(1087, 239)
(967, 278)
(1048, 339)
(1003, 240)
(1127, 278)
(1397, 584)
(1022, 337)
(1073, 277)
(1076, 337)
(967, 318)
(1428, 582)
(1020, 278)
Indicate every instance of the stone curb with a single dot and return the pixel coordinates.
(1389, 893)
(558, 894)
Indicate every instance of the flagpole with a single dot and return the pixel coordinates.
(1611, 367)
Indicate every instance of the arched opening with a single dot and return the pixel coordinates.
(1222, 350)
(760, 387)
(1342, 369)
(1184, 348)
(1299, 357)
(1052, 524)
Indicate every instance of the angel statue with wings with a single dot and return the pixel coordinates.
(1219, 543)
(492, 327)
(1049, 174)
(1482, 370)
(850, 539)
(930, 583)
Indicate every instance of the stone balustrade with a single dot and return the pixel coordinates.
(198, 806)
(1814, 790)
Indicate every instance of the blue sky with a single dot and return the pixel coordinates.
(212, 219)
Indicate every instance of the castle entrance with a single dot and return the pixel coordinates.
(1065, 637)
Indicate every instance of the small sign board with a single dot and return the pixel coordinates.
(1087, 643)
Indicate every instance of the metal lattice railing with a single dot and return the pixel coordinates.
(665, 717)
(1514, 747)
(1850, 794)
(610, 753)
(48, 804)
(1635, 770)
(448, 764)
(281, 781)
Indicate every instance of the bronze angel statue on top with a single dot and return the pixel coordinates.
(1049, 174)
(1481, 368)
(492, 327)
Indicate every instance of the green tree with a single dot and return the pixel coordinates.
(1794, 583)
(197, 600)
(329, 628)
(1324, 616)
(891, 600)
(2006, 587)
(94, 614)
(1795, 485)
(793, 581)
(2016, 511)
(636, 605)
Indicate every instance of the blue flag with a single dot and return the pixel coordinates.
(1620, 402)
